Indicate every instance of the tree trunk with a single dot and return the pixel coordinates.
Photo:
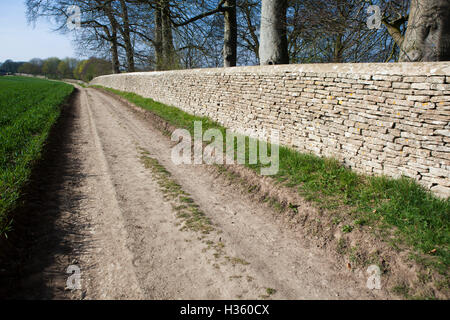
(273, 44)
(114, 52)
(169, 57)
(230, 34)
(113, 40)
(338, 48)
(126, 37)
(158, 39)
(427, 36)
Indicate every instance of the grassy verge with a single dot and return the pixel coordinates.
(414, 215)
(28, 109)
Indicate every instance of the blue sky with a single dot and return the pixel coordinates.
(19, 41)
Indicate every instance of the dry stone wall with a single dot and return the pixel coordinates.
(391, 119)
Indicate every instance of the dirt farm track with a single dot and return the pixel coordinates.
(102, 209)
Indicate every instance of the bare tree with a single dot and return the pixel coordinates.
(126, 34)
(110, 35)
(230, 34)
(248, 25)
(273, 47)
(159, 54)
(169, 54)
(99, 23)
(427, 36)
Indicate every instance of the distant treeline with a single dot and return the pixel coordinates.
(55, 68)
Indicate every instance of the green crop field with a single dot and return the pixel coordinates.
(28, 109)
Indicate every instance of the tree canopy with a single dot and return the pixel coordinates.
(138, 35)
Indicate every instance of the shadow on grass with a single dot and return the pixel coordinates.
(37, 252)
